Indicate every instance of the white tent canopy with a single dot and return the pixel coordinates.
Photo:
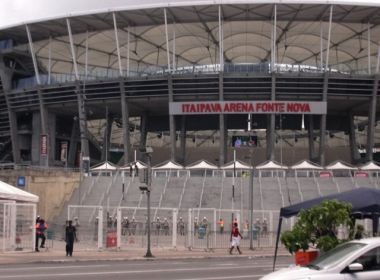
(12, 193)
(139, 164)
(270, 165)
(202, 164)
(108, 166)
(238, 165)
(305, 165)
(338, 165)
(168, 165)
(370, 166)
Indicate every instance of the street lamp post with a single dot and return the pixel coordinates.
(147, 188)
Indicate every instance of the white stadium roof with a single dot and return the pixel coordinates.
(194, 33)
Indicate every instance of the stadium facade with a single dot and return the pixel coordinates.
(260, 67)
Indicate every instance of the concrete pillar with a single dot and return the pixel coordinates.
(125, 122)
(52, 119)
(271, 123)
(143, 134)
(183, 140)
(82, 123)
(311, 138)
(107, 137)
(355, 155)
(372, 119)
(6, 81)
(73, 143)
(172, 127)
(36, 138)
(222, 126)
(322, 140)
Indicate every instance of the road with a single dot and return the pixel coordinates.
(191, 269)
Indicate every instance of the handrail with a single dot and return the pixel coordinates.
(299, 188)
(221, 196)
(336, 183)
(201, 196)
(280, 189)
(101, 200)
(317, 183)
(89, 190)
(183, 190)
(261, 194)
(130, 181)
(162, 196)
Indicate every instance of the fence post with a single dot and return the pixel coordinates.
(100, 228)
(174, 240)
(190, 233)
(215, 222)
(118, 228)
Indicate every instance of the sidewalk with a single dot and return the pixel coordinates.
(54, 255)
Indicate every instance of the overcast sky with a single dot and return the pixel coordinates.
(15, 12)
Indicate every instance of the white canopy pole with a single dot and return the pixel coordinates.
(328, 40)
(86, 57)
(117, 44)
(72, 49)
(274, 37)
(221, 56)
(321, 51)
(31, 48)
(128, 48)
(49, 63)
(174, 62)
(378, 60)
(167, 40)
(369, 48)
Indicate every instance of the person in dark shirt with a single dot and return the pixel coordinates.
(71, 235)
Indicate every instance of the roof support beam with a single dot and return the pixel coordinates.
(72, 49)
(328, 40)
(117, 43)
(221, 38)
(167, 40)
(31, 48)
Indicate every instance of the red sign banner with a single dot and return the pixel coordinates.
(247, 107)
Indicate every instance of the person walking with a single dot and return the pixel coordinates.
(235, 238)
(41, 226)
(71, 235)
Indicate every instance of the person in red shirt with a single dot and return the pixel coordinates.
(235, 238)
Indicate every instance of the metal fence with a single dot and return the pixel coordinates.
(199, 228)
(17, 226)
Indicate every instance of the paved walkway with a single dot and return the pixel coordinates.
(54, 255)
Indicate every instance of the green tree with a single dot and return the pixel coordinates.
(318, 226)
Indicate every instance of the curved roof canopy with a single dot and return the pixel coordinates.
(339, 165)
(236, 165)
(270, 165)
(370, 166)
(168, 165)
(139, 164)
(202, 164)
(193, 34)
(306, 164)
(104, 166)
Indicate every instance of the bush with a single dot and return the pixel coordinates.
(317, 226)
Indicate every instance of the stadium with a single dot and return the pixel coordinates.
(183, 90)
